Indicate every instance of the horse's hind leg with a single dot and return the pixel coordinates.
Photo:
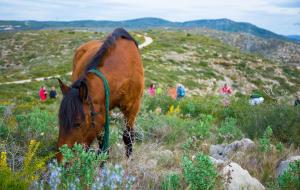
(130, 113)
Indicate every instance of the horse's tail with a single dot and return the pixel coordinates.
(109, 41)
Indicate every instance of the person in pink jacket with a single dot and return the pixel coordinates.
(225, 92)
(43, 94)
(151, 90)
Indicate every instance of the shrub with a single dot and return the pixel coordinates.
(265, 141)
(228, 131)
(36, 123)
(279, 147)
(81, 166)
(282, 118)
(199, 173)
(81, 170)
(290, 179)
(114, 177)
(171, 182)
(31, 170)
(162, 101)
(202, 128)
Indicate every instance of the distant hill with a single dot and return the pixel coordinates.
(294, 37)
(145, 23)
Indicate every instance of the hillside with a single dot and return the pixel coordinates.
(192, 143)
(279, 51)
(202, 64)
(145, 23)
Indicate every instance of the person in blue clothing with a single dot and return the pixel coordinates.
(180, 90)
(53, 93)
(297, 101)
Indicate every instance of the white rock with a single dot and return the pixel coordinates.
(236, 178)
(215, 161)
(283, 166)
(221, 151)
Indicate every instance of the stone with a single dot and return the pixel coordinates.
(236, 178)
(283, 165)
(216, 162)
(222, 151)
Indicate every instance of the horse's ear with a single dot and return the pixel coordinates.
(83, 91)
(63, 87)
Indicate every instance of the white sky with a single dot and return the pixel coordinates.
(280, 16)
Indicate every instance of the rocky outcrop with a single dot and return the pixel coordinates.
(236, 178)
(222, 151)
(283, 165)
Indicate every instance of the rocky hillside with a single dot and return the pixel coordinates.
(278, 50)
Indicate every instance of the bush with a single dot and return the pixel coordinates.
(36, 123)
(80, 169)
(199, 173)
(228, 131)
(253, 120)
(81, 166)
(290, 179)
(202, 128)
(31, 170)
(265, 141)
(162, 101)
(171, 182)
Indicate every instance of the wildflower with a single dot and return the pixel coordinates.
(171, 110)
(177, 110)
(32, 142)
(158, 110)
(3, 160)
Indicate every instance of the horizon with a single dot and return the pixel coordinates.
(279, 16)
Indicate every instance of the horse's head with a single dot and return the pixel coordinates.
(77, 119)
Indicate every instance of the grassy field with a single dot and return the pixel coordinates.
(168, 141)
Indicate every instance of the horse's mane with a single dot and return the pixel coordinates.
(109, 41)
(71, 104)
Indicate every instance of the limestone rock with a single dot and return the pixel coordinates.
(216, 162)
(221, 151)
(236, 178)
(283, 166)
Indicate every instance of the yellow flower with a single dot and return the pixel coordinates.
(171, 110)
(32, 142)
(3, 162)
(177, 110)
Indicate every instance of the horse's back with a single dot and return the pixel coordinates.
(83, 55)
(121, 65)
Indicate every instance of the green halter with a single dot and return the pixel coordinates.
(105, 144)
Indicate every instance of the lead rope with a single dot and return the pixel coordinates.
(105, 144)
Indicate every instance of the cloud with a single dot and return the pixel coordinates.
(290, 4)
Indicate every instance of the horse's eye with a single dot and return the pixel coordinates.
(77, 125)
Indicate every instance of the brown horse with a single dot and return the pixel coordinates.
(82, 110)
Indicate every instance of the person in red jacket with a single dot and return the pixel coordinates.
(43, 93)
(225, 92)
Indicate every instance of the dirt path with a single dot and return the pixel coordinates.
(148, 41)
